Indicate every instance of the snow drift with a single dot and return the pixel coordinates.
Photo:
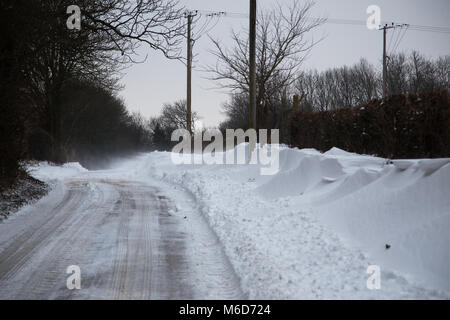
(47, 172)
(311, 230)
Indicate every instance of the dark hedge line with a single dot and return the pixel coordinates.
(401, 126)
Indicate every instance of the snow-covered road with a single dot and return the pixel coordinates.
(127, 238)
(151, 229)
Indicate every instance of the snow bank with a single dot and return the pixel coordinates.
(409, 209)
(312, 230)
(47, 172)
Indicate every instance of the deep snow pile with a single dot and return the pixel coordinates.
(49, 172)
(311, 230)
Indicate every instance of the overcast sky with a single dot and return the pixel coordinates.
(149, 85)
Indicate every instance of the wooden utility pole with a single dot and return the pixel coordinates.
(385, 57)
(384, 62)
(189, 16)
(252, 78)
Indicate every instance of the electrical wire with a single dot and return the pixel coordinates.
(396, 34)
(423, 28)
(390, 41)
(405, 30)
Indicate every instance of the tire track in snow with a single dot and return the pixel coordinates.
(121, 234)
(17, 254)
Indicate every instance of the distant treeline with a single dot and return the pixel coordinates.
(350, 86)
(58, 86)
(95, 126)
(172, 117)
(402, 126)
(340, 91)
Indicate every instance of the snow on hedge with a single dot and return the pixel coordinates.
(47, 172)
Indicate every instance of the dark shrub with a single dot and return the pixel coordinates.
(402, 126)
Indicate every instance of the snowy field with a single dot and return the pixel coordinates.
(312, 230)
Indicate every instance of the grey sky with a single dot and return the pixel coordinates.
(157, 81)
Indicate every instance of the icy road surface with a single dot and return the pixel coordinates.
(129, 239)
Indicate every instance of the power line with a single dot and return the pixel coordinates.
(226, 14)
(396, 35)
(430, 29)
(424, 28)
(405, 30)
(390, 41)
(410, 27)
(209, 23)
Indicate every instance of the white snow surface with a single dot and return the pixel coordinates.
(49, 172)
(312, 230)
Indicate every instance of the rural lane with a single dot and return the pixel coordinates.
(129, 239)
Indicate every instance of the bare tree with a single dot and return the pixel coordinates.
(443, 72)
(111, 31)
(417, 74)
(338, 87)
(350, 86)
(366, 82)
(129, 24)
(282, 46)
(173, 115)
(236, 110)
(398, 71)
